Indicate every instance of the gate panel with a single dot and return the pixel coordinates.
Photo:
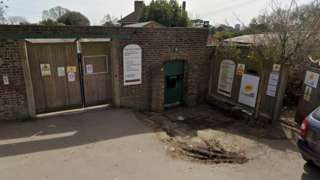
(52, 89)
(97, 73)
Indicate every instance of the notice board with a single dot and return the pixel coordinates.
(132, 65)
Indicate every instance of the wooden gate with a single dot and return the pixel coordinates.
(54, 88)
(97, 72)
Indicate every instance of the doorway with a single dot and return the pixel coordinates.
(174, 75)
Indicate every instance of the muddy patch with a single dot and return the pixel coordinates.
(186, 136)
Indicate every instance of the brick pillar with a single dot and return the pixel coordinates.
(157, 84)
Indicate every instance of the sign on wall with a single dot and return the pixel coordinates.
(273, 84)
(276, 67)
(89, 68)
(240, 69)
(307, 93)
(5, 79)
(249, 90)
(61, 71)
(45, 69)
(311, 79)
(226, 76)
(132, 65)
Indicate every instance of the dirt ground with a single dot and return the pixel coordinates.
(113, 144)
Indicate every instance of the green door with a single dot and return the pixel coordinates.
(173, 83)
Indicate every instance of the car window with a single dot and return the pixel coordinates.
(316, 114)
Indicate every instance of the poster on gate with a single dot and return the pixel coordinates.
(61, 71)
(71, 76)
(249, 90)
(89, 68)
(273, 83)
(241, 69)
(45, 70)
(311, 79)
(226, 76)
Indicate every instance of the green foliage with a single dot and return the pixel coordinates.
(224, 32)
(74, 18)
(54, 13)
(168, 13)
(50, 22)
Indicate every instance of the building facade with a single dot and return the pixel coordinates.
(46, 69)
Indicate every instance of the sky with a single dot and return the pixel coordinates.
(216, 11)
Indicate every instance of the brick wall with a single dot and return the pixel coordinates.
(158, 46)
(13, 96)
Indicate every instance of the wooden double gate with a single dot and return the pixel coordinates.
(62, 79)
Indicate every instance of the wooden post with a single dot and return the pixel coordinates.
(27, 78)
(284, 74)
(115, 72)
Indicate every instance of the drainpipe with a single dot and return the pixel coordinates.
(81, 72)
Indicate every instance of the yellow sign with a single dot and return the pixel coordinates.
(71, 69)
(248, 88)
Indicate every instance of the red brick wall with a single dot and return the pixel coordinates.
(158, 45)
(13, 96)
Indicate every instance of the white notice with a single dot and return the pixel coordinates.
(45, 69)
(226, 76)
(311, 79)
(71, 76)
(6, 80)
(249, 90)
(61, 71)
(89, 68)
(132, 65)
(273, 84)
(307, 93)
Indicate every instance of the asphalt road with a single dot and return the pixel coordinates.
(114, 145)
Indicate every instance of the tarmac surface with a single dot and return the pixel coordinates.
(113, 144)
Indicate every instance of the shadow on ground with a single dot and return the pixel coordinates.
(68, 131)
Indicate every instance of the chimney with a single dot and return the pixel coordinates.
(138, 6)
(184, 4)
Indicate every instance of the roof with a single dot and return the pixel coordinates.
(132, 17)
(247, 39)
(149, 24)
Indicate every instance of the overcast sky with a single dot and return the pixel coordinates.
(216, 11)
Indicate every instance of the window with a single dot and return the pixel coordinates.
(172, 82)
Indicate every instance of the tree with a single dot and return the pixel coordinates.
(49, 22)
(17, 20)
(292, 32)
(257, 25)
(54, 13)
(168, 13)
(74, 18)
(109, 21)
(224, 32)
(3, 8)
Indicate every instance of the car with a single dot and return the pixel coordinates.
(309, 138)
